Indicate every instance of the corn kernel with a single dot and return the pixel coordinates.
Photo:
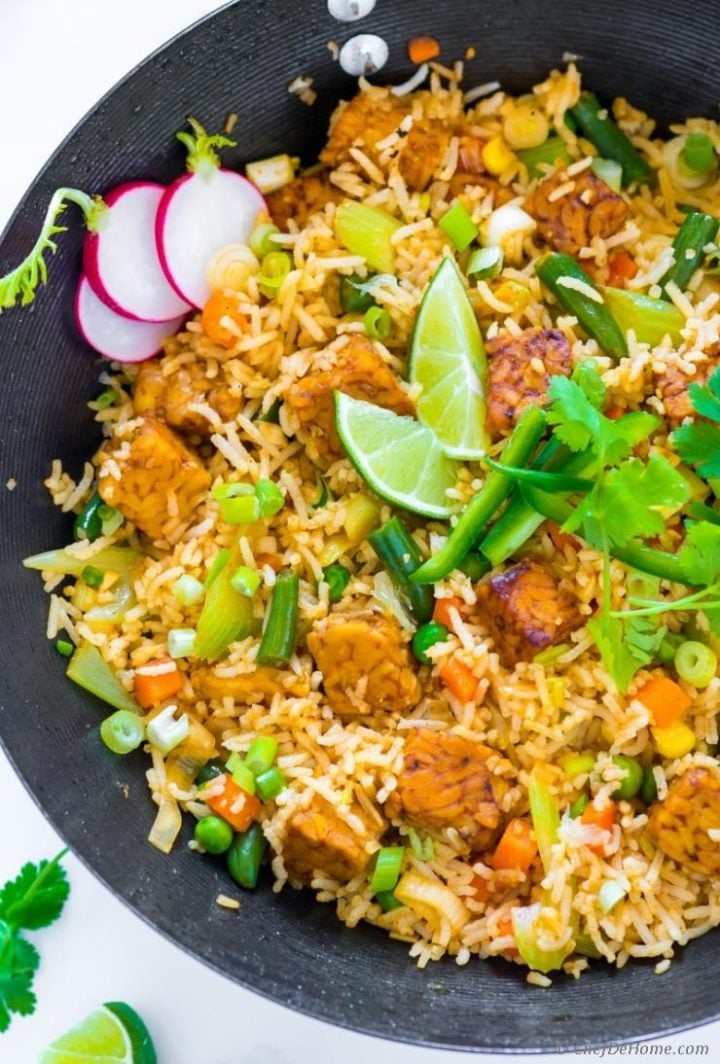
(556, 691)
(526, 127)
(496, 156)
(515, 294)
(675, 741)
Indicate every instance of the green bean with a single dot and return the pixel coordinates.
(88, 523)
(697, 231)
(552, 482)
(594, 317)
(209, 771)
(699, 511)
(480, 509)
(278, 640)
(610, 141)
(354, 300)
(401, 558)
(245, 856)
(648, 790)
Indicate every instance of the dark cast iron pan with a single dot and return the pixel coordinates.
(664, 57)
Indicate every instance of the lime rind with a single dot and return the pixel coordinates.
(398, 457)
(112, 1034)
(447, 359)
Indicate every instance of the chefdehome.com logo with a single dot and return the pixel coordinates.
(651, 1049)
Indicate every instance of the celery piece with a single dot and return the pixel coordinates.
(367, 231)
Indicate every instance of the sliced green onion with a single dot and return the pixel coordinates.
(401, 558)
(698, 153)
(610, 894)
(111, 519)
(88, 523)
(575, 765)
(261, 755)
(526, 939)
(551, 654)
(474, 518)
(270, 784)
(275, 268)
(485, 263)
(118, 559)
(226, 615)
(423, 849)
(278, 639)
(272, 414)
(93, 577)
(696, 663)
(241, 774)
(579, 806)
(122, 732)
(545, 817)
(245, 580)
(585, 946)
(166, 731)
(555, 270)
(231, 491)
(378, 323)
(387, 901)
(181, 642)
(388, 866)
(245, 856)
(697, 231)
(609, 171)
(65, 648)
(353, 299)
(240, 510)
(367, 231)
(270, 497)
(550, 152)
(88, 669)
(261, 242)
(650, 319)
(457, 224)
(323, 496)
(187, 590)
(337, 578)
(610, 141)
(107, 398)
(550, 482)
(218, 564)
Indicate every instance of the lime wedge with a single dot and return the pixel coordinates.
(113, 1034)
(447, 358)
(399, 458)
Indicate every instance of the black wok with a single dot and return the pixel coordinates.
(664, 56)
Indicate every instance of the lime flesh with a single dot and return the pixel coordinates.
(447, 358)
(113, 1034)
(398, 457)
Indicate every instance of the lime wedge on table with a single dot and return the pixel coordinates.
(447, 358)
(113, 1034)
(399, 458)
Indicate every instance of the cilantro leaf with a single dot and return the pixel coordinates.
(698, 444)
(35, 898)
(579, 424)
(624, 504)
(706, 397)
(587, 376)
(700, 553)
(626, 645)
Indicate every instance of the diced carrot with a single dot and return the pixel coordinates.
(216, 309)
(441, 612)
(665, 699)
(422, 49)
(517, 848)
(458, 678)
(600, 818)
(273, 560)
(614, 411)
(481, 888)
(505, 930)
(151, 690)
(561, 539)
(233, 803)
(622, 268)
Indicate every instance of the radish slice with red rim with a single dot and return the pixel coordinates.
(120, 258)
(201, 212)
(114, 336)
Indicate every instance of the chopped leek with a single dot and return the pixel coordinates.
(524, 921)
(545, 816)
(88, 669)
(226, 616)
(117, 559)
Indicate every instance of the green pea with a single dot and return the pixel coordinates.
(633, 777)
(579, 806)
(426, 637)
(214, 834)
(337, 578)
(352, 299)
(387, 901)
(245, 856)
(209, 771)
(93, 577)
(648, 789)
(122, 731)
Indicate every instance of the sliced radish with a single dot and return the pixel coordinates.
(120, 258)
(115, 336)
(201, 212)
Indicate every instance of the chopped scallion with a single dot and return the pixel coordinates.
(388, 866)
(378, 323)
(270, 784)
(457, 224)
(187, 590)
(166, 731)
(245, 580)
(270, 498)
(181, 642)
(485, 263)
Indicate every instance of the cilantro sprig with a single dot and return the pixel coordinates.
(698, 442)
(30, 902)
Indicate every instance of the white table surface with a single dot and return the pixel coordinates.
(99, 950)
